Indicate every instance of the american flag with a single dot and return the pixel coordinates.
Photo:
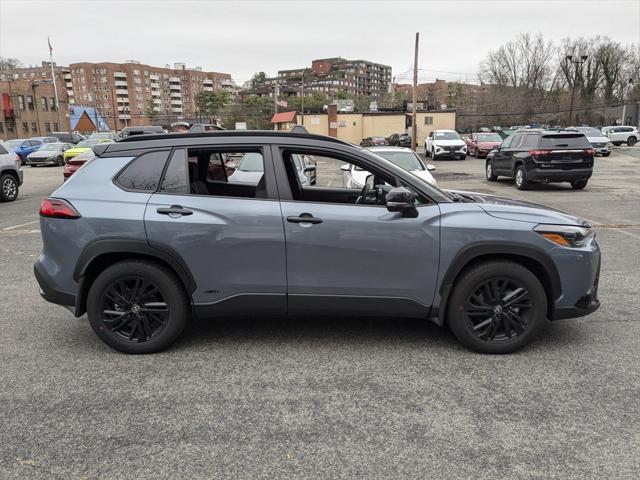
(50, 47)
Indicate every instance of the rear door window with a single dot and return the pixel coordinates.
(143, 174)
(564, 141)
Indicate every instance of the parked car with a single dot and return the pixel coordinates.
(102, 135)
(406, 159)
(445, 143)
(251, 169)
(48, 154)
(23, 147)
(371, 141)
(140, 130)
(492, 269)
(72, 165)
(400, 140)
(10, 173)
(530, 156)
(480, 144)
(45, 139)
(597, 139)
(505, 132)
(620, 135)
(83, 146)
(66, 137)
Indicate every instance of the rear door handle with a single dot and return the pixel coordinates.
(304, 218)
(174, 210)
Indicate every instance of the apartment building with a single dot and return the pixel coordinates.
(129, 93)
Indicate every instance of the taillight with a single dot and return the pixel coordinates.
(17, 161)
(57, 208)
(589, 151)
(539, 153)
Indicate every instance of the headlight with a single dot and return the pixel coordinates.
(464, 148)
(565, 235)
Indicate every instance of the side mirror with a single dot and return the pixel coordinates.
(401, 199)
(496, 147)
(346, 167)
(309, 168)
(431, 167)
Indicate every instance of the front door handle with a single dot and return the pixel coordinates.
(174, 210)
(304, 218)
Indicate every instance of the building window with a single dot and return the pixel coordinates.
(52, 104)
(21, 102)
(25, 127)
(47, 126)
(30, 104)
(55, 126)
(34, 127)
(9, 127)
(428, 120)
(43, 103)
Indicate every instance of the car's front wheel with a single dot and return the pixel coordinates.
(8, 188)
(497, 307)
(579, 184)
(137, 306)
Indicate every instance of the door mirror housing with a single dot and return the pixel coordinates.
(431, 167)
(346, 167)
(309, 169)
(401, 199)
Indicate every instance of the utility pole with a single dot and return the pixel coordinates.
(583, 59)
(302, 99)
(414, 126)
(624, 103)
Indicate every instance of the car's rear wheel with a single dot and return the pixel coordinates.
(8, 188)
(497, 307)
(617, 144)
(579, 184)
(489, 171)
(631, 141)
(521, 179)
(60, 161)
(137, 306)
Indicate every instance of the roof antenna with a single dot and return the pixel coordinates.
(299, 129)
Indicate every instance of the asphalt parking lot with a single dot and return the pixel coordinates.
(329, 398)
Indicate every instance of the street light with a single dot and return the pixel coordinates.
(624, 102)
(583, 58)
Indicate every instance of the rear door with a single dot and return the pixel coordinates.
(229, 234)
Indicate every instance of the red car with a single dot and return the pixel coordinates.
(480, 144)
(76, 162)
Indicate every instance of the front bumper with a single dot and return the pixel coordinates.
(446, 152)
(41, 161)
(603, 150)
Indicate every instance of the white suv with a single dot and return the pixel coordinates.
(10, 174)
(620, 135)
(445, 143)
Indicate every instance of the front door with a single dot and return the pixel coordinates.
(228, 233)
(346, 255)
(502, 157)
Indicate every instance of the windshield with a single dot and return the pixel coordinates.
(405, 160)
(447, 136)
(489, 137)
(51, 147)
(590, 131)
(13, 144)
(87, 143)
(251, 162)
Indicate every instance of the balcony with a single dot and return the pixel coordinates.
(207, 81)
(67, 76)
(176, 102)
(175, 95)
(174, 79)
(70, 93)
(176, 88)
(155, 94)
(157, 101)
(122, 91)
(154, 77)
(122, 100)
(124, 116)
(176, 110)
(121, 83)
(207, 89)
(119, 75)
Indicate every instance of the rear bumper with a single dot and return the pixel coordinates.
(558, 175)
(49, 291)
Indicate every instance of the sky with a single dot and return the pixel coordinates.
(245, 36)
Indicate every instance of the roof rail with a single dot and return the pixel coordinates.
(230, 133)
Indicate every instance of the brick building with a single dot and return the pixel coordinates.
(125, 93)
(29, 109)
(441, 94)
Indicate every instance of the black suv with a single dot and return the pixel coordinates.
(542, 156)
(400, 140)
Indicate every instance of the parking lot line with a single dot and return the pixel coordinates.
(21, 225)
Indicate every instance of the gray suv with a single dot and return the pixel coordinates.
(10, 174)
(151, 232)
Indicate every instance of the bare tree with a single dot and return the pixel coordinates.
(9, 63)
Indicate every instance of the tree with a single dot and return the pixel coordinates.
(151, 113)
(9, 63)
(210, 103)
(258, 79)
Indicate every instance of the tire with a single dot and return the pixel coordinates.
(60, 162)
(476, 154)
(606, 154)
(489, 172)
(433, 155)
(502, 317)
(9, 188)
(631, 141)
(617, 144)
(579, 184)
(520, 178)
(140, 330)
(426, 151)
(462, 157)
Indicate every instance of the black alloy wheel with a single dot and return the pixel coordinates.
(134, 309)
(497, 309)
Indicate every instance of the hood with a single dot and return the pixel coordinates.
(241, 176)
(488, 144)
(520, 210)
(424, 175)
(77, 150)
(450, 143)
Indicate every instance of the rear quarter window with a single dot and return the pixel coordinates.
(144, 172)
(564, 141)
